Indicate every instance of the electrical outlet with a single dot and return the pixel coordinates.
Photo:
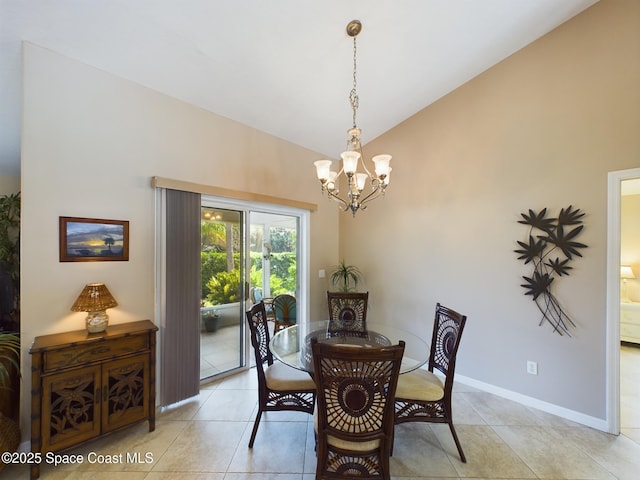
(532, 367)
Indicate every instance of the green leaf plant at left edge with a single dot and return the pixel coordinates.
(547, 236)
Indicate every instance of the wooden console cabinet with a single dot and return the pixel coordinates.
(85, 385)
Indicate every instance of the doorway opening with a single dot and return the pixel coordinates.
(615, 259)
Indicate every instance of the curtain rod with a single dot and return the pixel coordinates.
(160, 182)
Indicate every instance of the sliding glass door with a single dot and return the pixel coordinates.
(248, 252)
(212, 253)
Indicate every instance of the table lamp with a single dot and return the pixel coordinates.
(94, 299)
(625, 273)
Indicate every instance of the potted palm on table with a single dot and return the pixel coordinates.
(342, 275)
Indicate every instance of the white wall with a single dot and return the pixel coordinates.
(541, 129)
(91, 143)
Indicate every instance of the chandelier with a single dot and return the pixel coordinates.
(375, 184)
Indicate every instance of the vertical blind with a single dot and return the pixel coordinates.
(180, 365)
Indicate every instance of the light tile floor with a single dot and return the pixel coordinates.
(219, 351)
(205, 438)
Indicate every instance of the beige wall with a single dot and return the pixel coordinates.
(541, 129)
(91, 143)
(630, 241)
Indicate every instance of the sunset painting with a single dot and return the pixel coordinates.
(92, 239)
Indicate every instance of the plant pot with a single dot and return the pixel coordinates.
(9, 436)
(211, 323)
(9, 375)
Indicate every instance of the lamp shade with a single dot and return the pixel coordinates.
(323, 168)
(350, 161)
(361, 179)
(382, 164)
(626, 272)
(95, 297)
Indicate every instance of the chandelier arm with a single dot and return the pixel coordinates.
(375, 193)
(336, 198)
(364, 165)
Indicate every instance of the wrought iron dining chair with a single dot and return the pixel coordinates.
(284, 308)
(354, 416)
(280, 387)
(421, 395)
(347, 313)
(256, 297)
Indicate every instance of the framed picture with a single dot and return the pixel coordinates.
(93, 240)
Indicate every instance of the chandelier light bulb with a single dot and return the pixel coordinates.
(331, 182)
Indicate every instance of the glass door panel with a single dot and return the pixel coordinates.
(274, 255)
(222, 305)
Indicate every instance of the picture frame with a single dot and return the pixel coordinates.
(93, 240)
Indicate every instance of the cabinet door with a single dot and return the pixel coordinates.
(125, 387)
(70, 407)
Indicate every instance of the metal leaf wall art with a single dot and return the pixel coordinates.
(550, 237)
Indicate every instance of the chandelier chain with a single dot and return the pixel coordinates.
(353, 94)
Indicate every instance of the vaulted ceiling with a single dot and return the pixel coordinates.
(281, 66)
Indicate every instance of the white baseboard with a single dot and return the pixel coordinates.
(589, 421)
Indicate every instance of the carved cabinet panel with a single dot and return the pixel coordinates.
(68, 413)
(124, 388)
(85, 385)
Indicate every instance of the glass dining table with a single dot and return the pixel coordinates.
(292, 345)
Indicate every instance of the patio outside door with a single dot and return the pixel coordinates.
(236, 264)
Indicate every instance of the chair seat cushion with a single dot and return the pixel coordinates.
(344, 444)
(421, 385)
(280, 376)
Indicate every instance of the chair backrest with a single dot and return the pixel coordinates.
(447, 331)
(259, 330)
(347, 312)
(284, 307)
(354, 397)
(256, 295)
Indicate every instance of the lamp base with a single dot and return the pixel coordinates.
(97, 321)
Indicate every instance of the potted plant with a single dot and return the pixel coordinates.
(10, 262)
(211, 319)
(9, 384)
(9, 322)
(342, 275)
